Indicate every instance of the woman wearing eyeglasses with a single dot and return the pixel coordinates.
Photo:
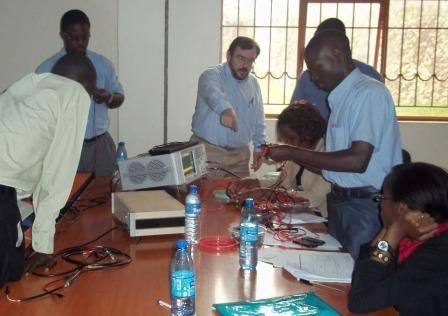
(406, 265)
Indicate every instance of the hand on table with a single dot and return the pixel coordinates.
(39, 260)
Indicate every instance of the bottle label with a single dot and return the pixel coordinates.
(249, 233)
(183, 284)
(194, 208)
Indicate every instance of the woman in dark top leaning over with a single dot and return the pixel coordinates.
(406, 266)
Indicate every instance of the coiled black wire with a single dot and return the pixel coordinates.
(84, 258)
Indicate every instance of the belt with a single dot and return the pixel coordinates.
(356, 193)
(93, 138)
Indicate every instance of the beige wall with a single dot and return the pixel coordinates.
(131, 34)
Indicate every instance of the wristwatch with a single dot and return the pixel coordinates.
(383, 252)
(383, 246)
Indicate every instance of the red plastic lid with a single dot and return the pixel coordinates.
(217, 243)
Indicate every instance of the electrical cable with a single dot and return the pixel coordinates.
(84, 259)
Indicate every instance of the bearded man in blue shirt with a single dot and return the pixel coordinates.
(98, 150)
(229, 111)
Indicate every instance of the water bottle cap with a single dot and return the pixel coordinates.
(249, 202)
(193, 188)
(121, 144)
(182, 244)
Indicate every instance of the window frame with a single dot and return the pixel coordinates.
(380, 53)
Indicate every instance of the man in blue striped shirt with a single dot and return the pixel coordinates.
(229, 111)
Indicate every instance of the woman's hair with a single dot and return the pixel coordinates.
(305, 120)
(422, 186)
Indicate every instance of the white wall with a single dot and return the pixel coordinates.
(193, 46)
(141, 48)
(131, 34)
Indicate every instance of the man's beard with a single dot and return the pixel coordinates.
(235, 73)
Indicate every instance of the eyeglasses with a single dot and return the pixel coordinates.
(380, 197)
(246, 60)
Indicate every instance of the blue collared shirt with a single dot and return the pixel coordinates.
(306, 89)
(106, 78)
(218, 90)
(362, 109)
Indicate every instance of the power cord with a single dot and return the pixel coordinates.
(85, 259)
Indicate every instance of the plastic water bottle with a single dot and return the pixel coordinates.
(122, 154)
(248, 236)
(192, 214)
(183, 281)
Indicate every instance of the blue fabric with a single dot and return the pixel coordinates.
(98, 121)
(353, 222)
(306, 89)
(362, 109)
(299, 304)
(218, 90)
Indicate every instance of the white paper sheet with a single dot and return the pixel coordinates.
(303, 218)
(314, 266)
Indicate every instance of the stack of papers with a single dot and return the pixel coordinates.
(312, 266)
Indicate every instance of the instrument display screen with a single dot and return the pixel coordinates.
(188, 163)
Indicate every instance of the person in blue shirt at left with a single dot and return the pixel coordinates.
(229, 112)
(306, 89)
(98, 150)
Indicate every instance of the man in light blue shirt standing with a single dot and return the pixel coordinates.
(362, 140)
(307, 89)
(98, 151)
(229, 111)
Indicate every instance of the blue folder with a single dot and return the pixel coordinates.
(299, 304)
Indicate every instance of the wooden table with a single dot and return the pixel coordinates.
(134, 289)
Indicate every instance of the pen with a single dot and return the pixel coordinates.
(163, 304)
(320, 284)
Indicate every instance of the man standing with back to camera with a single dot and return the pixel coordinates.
(98, 150)
(229, 111)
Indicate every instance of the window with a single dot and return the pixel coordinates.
(406, 40)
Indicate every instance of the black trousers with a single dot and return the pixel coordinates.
(12, 250)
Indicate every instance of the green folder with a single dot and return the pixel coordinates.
(299, 304)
